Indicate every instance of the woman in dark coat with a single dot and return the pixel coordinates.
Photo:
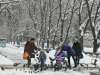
(30, 48)
(70, 52)
(78, 51)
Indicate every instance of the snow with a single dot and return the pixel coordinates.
(12, 52)
(5, 61)
(18, 72)
(90, 50)
(51, 54)
(86, 59)
(98, 51)
(87, 49)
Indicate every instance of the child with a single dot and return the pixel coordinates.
(59, 56)
(42, 59)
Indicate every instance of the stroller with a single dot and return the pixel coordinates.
(38, 62)
(35, 62)
(60, 61)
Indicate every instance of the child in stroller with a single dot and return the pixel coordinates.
(59, 57)
(35, 61)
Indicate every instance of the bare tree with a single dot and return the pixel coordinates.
(70, 21)
(92, 25)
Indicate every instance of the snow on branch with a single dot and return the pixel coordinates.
(83, 25)
(3, 7)
(6, 2)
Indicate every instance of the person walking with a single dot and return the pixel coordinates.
(29, 50)
(42, 59)
(68, 53)
(78, 51)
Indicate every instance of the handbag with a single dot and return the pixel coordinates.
(81, 56)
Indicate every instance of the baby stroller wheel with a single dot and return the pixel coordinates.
(57, 67)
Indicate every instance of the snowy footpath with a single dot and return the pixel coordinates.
(21, 72)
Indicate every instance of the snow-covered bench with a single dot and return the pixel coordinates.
(90, 62)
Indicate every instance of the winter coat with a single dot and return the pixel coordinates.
(30, 47)
(67, 49)
(77, 48)
(59, 56)
(42, 57)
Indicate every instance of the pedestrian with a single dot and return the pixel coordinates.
(42, 59)
(59, 57)
(69, 52)
(78, 51)
(29, 50)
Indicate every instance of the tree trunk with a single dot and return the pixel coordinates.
(60, 14)
(92, 28)
(94, 45)
(72, 13)
(81, 42)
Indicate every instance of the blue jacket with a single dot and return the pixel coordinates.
(68, 49)
(42, 57)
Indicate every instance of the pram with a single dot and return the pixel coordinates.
(35, 62)
(60, 62)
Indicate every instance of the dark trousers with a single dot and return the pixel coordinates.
(29, 59)
(29, 62)
(42, 64)
(77, 59)
(69, 64)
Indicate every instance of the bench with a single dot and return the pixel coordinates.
(92, 64)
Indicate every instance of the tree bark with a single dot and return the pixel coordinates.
(92, 28)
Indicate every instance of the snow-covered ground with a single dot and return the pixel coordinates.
(12, 54)
(87, 49)
(14, 72)
(5, 61)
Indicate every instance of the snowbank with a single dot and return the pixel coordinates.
(90, 50)
(5, 61)
(87, 59)
(86, 49)
(12, 52)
